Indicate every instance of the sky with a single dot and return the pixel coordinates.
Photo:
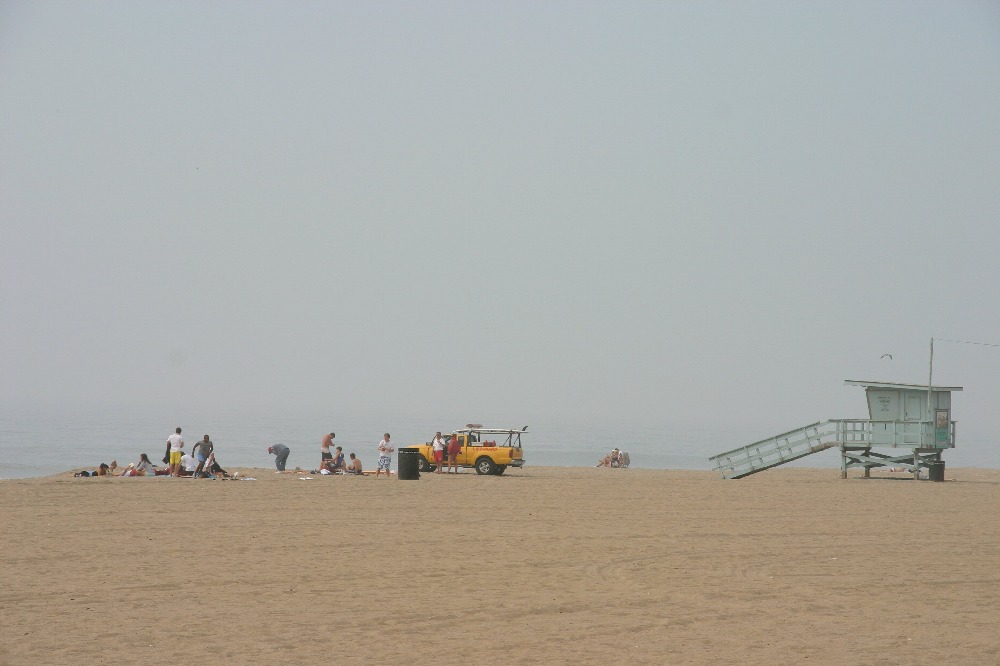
(684, 213)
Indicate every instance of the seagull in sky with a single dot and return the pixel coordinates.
(884, 355)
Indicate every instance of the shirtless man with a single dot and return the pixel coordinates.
(324, 449)
(354, 466)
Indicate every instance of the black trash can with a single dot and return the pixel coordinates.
(935, 470)
(409, 463)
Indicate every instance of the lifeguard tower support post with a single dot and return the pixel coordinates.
(901, 416)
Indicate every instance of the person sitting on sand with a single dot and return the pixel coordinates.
(144, 467)
(354, 466)
(213, 467)
(605, 461)
(188, 465)
(338, 464)
(138, 469)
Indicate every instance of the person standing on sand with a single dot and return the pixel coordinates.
(454, 448)
(280, 452)
(201, 451)
(324, 449)
(385, 450)
(438, 445)
(176, 443)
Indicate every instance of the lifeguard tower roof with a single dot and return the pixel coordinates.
(894, 385)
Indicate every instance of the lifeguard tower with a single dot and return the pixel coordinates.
(901, 417)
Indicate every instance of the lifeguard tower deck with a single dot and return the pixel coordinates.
(901, 417)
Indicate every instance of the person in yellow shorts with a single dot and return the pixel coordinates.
(176, 443)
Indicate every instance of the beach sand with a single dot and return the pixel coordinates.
(543, 565)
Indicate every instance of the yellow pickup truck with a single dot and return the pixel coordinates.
(487, 450)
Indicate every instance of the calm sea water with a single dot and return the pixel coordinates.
(39, 443)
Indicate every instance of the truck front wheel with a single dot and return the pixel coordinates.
(485, 466)
(422, 464)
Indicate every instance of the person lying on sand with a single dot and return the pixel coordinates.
(103, 470)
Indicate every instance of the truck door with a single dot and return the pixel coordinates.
(467, 455)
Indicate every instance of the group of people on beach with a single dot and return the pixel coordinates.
(614, 459)
(440, 448)
(332, 459)
(200, 463)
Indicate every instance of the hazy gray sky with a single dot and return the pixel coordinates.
(683, 212)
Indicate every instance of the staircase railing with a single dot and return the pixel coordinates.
(777, 450)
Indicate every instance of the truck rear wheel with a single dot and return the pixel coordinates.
(500, 469)
(485, 466)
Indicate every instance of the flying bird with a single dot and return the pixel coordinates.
(884, 355)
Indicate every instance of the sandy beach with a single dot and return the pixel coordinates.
(543, 565)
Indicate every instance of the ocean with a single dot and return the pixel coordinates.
(40, 442)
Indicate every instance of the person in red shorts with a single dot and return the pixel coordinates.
(438, 445)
